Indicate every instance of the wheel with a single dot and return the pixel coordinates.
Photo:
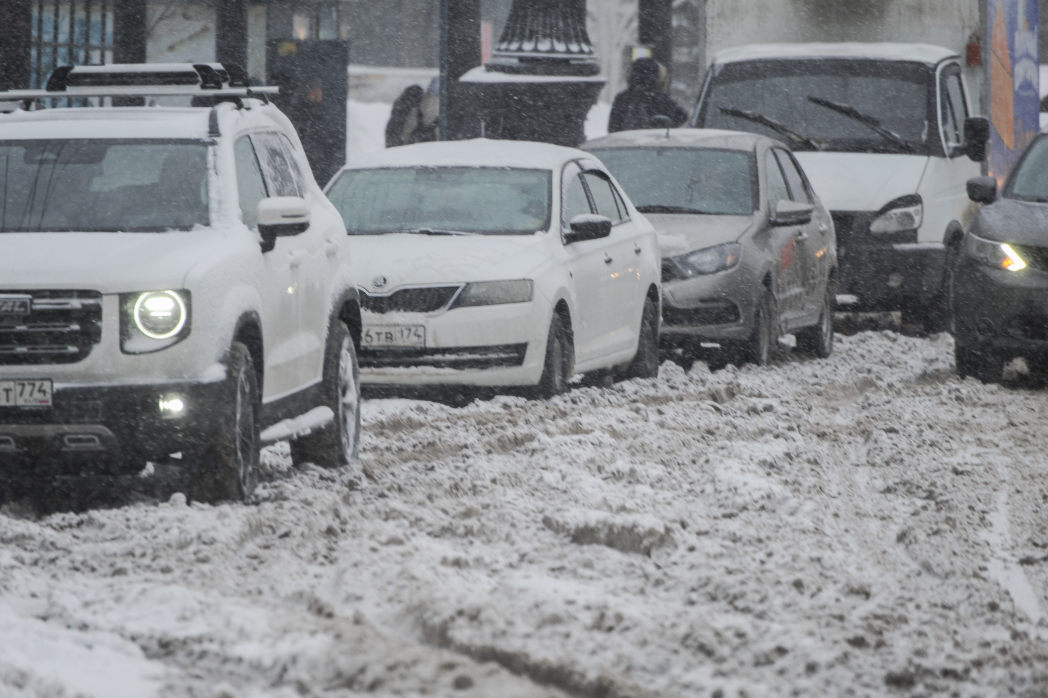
(818, 340)
(337, 443)
(560, 360)
(984, 366)
(938, 315)
(645, 362)
(757, 349)
(226, 467)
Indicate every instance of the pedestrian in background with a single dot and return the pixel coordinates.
(414, 116)
(636, 106)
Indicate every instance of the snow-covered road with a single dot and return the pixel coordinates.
(866, 525)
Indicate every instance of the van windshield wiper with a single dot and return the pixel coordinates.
(436, 231)
(659, 208)
(772, 124)
(864, 119)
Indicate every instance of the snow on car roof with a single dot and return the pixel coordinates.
(480, 152)
(679, 137)
(921, 53)
(115, 122)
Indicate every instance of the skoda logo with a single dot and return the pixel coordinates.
(379, 282)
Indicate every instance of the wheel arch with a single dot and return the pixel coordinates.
(248, 331)
(347, 309)
(954, 234)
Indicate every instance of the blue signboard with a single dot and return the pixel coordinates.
(1013, 81)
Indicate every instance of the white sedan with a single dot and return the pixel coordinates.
(498, 263)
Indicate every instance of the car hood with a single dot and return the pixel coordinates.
(862, 181)
(105, 262)
(1009, 220)
(679, 233)
(405, 259)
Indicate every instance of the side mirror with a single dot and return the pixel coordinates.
(587, 226)
(281, 216)
(791, 213)
(976, 136)
(982, 190)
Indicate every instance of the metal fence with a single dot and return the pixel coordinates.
(70, 32)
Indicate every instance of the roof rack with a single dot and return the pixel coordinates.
(144, 80)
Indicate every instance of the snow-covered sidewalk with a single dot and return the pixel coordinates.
(858, 526)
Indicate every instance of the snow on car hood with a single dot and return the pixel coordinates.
(680, 233)
(106, 262)
(406, 259)
(862, 181)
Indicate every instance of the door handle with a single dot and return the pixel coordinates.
(294, 258)
(331, 247)
(823, 227)
(637, 249)
(607, 258)
(801, 237)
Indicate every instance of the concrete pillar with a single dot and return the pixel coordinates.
(655, 29)
(15, 40)
(231, 33)
(129, 31)
(459, 52)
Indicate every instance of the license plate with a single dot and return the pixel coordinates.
(25, 393)
(394, 336)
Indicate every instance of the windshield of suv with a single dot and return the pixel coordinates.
(685, 180)
(436, 200)
(850, 105)
(1029, 182)
(73, 185)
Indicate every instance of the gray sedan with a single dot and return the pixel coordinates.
(748, 250)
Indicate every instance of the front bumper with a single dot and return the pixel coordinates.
(715, 307)
(1002, 312)
(117, 428)
(496, 345)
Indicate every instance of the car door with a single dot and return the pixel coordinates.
(311, 267)
(812, 244)
(623, 261)
(789, 272)
(279, 306)
(590, 272)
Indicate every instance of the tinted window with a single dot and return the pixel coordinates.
(461, 199)
(1029, 182)
(249, 181)
(895, 94)
(102, 185)
(575, 203)
(777, 190)
(798, 192)
(685, 180)
(281, 180)
(603, 196)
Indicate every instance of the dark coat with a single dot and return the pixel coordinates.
(635, 107)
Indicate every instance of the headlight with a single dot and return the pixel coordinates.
(708, 261)
(153, 320)
(994, 254)
(494, 293)
(905, 213)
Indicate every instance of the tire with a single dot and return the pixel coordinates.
(817, 340)
(983, 366)
(938, 315)
(227, 467)
(758, 348)
(645, 362)
(560, 361)
(338, 443)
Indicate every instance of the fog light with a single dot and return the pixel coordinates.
(895, 279)
(172, 406)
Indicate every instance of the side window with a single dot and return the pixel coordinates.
(250, 185)
(575, 200)
(280, 178)
(798, 192)
(293, 159)
(603, 196)
(776, 184)
(954, 110)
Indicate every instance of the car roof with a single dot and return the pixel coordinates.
(480, 152)
(681, 138)
(920, 53)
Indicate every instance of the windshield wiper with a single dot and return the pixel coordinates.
(864, 119)
(658, 208)
(773, 125)
(435, 231)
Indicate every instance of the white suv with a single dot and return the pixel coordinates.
(171, 280)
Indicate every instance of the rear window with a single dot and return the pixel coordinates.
(685, 180)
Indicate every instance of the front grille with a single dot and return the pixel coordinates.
(409, 300)
(712, 312)
(61, 328)
(498, 356)
(1035, 256)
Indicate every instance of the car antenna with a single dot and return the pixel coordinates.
(662, 121)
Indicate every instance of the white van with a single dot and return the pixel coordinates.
(884, 132)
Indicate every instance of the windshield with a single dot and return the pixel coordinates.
(847, 105)
(102, 185)
(1029, 182)
(685, 180)
(492, 201)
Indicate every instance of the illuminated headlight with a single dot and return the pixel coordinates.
(994, 254)
(709, 260)
(900, 218)
(172, 406)
(153, 320)
(495, 293)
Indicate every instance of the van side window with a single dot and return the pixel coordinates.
(280, 178)
(574, 200)
(603, 196)
(953, 109)
(798, 192)
(250, 185)
(777, 190)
